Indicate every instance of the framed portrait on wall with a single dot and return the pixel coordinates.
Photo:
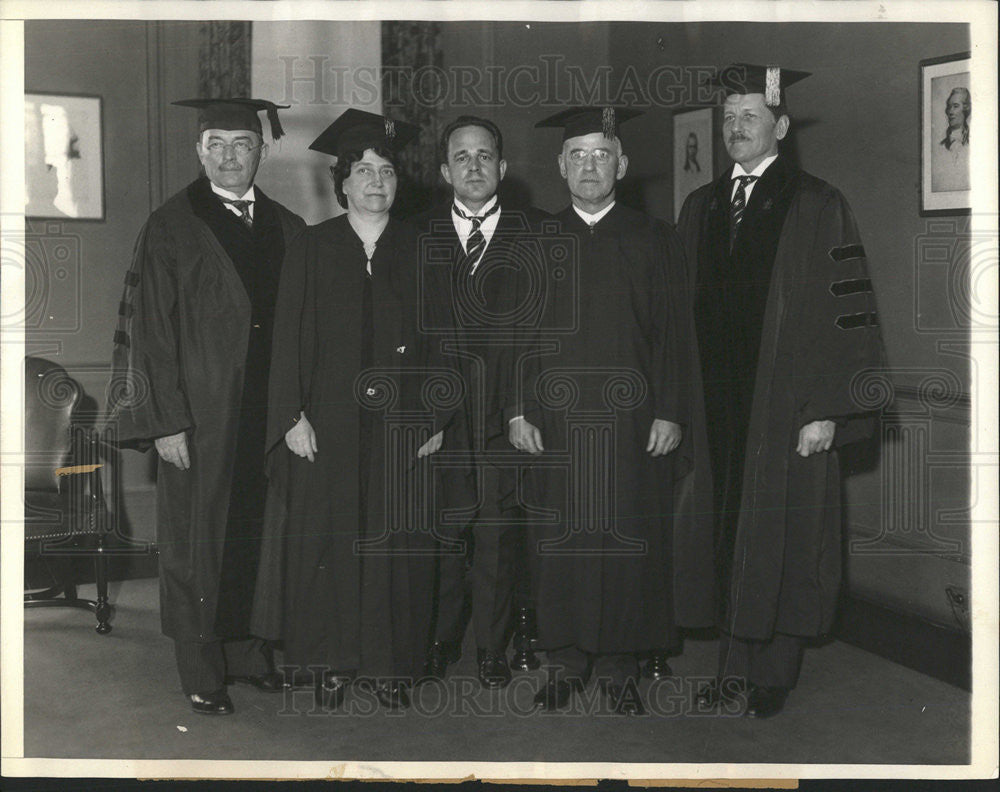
(692, 153)
(63, 157)
(945, 115)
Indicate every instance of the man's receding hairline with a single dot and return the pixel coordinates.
(488, 131)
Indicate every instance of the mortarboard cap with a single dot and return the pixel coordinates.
(234, 114)
(748, 78)
(358, 130)
(577, 121)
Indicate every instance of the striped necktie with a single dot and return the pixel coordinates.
(244, 209)
(476, 243)
(738, 206)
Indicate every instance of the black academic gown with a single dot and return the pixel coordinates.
(358, 537)
(192, 354)
(606, 555)
(785, 323)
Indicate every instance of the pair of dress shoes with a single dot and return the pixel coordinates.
(758, 701)
(332, 690)
(623, 699)
(219, 703)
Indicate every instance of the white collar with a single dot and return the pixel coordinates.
(482, 210)
(758, 171)
(589, 218)
(247, 196)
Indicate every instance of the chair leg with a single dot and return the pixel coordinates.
(102, 609)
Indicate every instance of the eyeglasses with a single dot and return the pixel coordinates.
(241, 147)
(579, 156)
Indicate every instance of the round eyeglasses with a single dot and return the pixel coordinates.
(241, 147)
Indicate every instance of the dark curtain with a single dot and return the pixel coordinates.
(224, 60)
(413, 49)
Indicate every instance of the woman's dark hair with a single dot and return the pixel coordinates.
(346, 160)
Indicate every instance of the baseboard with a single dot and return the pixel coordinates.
(906, 639)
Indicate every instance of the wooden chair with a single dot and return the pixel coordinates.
(65, 514)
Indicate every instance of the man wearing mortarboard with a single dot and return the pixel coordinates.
(786, 319)
(616, 575)
(192, 354)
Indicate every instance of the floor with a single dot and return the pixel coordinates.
(117, 696)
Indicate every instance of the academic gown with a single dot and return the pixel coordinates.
(606, 557)
(358, 544)
(786, 320)
(191, 354)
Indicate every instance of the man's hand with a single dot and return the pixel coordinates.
(814, 437)
(301, 439)
(664, 437)
(525, 436)
(432, 446)
(174, 449)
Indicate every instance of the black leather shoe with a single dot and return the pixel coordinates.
(725, 691)
(331, 690)
(392, 695)
(623, 699)
(766, 702)
(556, 695)
(439, 657)
(217, 703)
(267, 683)
(657, 667)
(494, 672)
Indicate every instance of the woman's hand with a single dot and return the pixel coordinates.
(301, 439)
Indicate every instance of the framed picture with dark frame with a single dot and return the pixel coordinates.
(63, 157)
(945, 111)
(693, 152)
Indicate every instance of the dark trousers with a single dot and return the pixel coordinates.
(773, 663)
(569, 663)
(491, 575)
(204, 666)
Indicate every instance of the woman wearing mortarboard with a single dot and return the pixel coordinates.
(349, 386)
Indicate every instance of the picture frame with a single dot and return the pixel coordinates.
(945, 112)
(693, 160)
(64, 156)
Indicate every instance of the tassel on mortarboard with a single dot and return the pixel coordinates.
(608, 123)
(772, 86)
(272, 119)
(390, 129)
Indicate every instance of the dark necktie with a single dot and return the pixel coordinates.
(476, 243)
(738, 206)
(244, 210)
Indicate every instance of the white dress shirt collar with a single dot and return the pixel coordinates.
(249, 195)
(591, 219)
(738, 170)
